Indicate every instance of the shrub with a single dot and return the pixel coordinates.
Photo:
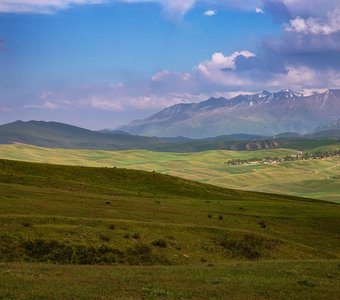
(263, 224)
(104, 238)
(248, 246)
(136, 236)
(159, 243)
(140, 254)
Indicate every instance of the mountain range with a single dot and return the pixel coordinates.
(263, 113)
(59, 135)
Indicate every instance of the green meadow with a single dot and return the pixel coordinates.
(93, 227)
(108, 233)
(317, 179)
(96, 233)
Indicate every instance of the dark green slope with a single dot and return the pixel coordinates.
(59, 135)
(124, 182)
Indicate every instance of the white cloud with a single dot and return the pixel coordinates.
(166, 75)
(172, 7)
(102, 104)
(161, 75)
(305, 78)
(161, 101)
(219, 61)
(215, 69)
(259, 10)
(42, 6)
(45, 105)
(316, 25)
(210, 13)
(295, 77)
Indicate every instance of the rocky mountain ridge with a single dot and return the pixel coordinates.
(263, 113)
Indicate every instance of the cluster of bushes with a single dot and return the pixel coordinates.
(248, 246)
(277, 159)
(40, 250)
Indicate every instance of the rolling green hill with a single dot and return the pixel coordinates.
(59, 135)
(166, 234)
(308, 178)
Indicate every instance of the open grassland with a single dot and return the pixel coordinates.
(236, 280)
(318, 178)
(154, 236)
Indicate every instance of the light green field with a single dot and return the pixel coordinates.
(318, 179)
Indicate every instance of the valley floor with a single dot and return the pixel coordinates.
(319, 179)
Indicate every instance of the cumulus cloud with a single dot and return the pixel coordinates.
(311, 33)
(304, 77)
(210, 13)
(296, 76)
(316, 25)
(217, 68)
(219, 61)
(259, 10)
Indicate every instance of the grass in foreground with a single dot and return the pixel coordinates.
(237, 280)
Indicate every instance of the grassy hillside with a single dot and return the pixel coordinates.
(59, 135)
(220, 241)
(311, 178)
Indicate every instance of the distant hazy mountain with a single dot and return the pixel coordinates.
(263, 113)
(59, 135)
(333, 125)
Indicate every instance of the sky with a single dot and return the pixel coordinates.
(103, 63)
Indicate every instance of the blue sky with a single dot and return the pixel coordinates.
(102, 63)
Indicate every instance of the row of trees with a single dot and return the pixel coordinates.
(277, 159)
